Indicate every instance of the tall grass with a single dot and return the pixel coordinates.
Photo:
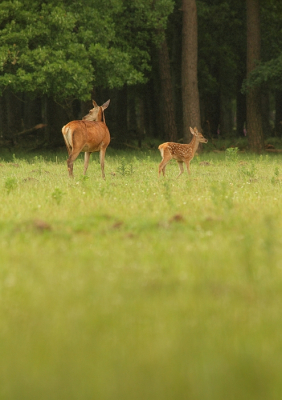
(137, 287)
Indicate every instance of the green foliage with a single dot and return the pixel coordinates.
(10, 184)
(57, 195)
(124, 168)
(63, 49)
(231, 154)
(269, 68)
(248, 170)
(266, 72)
(275, 178)
(221, 45)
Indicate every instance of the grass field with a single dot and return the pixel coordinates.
(137, 287)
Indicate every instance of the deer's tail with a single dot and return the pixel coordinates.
(66, 131)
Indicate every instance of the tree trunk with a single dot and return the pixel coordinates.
(265, 108)
(14, 114)
(32, 111)
(278, 112)
(55, 117)
(151, 110)
(190, 92)
(167, 109)
(3, 118)
(254, 117)
(226, 115)
(121, 109)
(240, 110)
(140, 118)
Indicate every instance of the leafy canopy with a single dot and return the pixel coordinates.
(63, 48)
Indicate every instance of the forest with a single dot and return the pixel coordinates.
(165, 65)
(141, 286)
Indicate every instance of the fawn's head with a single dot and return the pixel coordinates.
(97, 112)
(198, 135)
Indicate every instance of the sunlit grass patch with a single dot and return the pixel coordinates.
(139, 286)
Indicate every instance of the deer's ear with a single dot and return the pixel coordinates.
(94, 103)
(196, 131)
(105, 105)
(191, 130)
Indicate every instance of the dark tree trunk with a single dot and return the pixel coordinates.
(121, 116)
(151, 110)
(14, 115)
(278, 112)
(211, 115)
(190, 92)
(240, 111)
(140, 118)
(226, 114)
(3, 118)
(254, 116)
(55, 117)
(44, 112)
(32, 111)
(131, 112)
(167, 109)
(265, 111)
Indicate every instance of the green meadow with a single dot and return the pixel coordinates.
(138, 287)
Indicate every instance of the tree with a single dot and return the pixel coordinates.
(190, 92)
(268, 71)
(168, 113)
(64, 49)
(58, 51)
(254, 115)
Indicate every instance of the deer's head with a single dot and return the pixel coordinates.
(198, 135)
(97, 112)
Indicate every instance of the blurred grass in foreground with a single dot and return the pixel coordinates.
(138, 287)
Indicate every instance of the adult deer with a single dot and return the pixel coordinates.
(182, 153)
(89, 134)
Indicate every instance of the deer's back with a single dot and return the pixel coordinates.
(178, 151)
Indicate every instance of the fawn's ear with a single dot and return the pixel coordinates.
(94, 103)
(196, 131)
(192, 131)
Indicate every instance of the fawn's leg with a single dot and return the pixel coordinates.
(180, 164)
(188, 166)
(162, 166)
(166, 158)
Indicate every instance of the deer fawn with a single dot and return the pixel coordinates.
(182, 153)
(89, 134)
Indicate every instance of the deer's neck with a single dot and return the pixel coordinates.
(194, 144)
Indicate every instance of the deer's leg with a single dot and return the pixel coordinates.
(67, 145)
(86, 161)
(162, 166)
(180, 164)
(73, 156)
(166, 158)
(188, 166)
(102, 160)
